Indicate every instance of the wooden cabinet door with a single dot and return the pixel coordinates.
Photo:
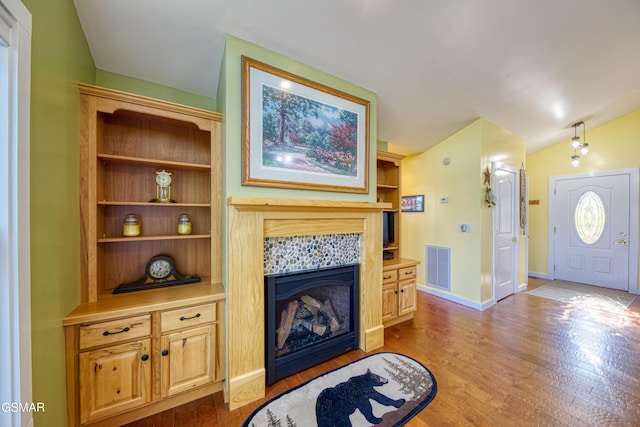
(406, 297)
(389, 302)
(187, 359)
(114, 379)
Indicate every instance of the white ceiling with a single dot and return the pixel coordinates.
(533, 67)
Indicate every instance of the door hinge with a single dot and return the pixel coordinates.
(554, 267)
(554, 229)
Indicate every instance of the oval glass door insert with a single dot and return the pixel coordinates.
(590, 217)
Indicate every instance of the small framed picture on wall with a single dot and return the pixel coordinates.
(413, 203)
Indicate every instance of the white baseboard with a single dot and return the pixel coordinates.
(462, 301)
(544, 276)
(456, 299)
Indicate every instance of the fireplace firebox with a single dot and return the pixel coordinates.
(311, 317)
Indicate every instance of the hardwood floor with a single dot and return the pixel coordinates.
(527, 361)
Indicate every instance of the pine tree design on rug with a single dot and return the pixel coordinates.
(275, 422)
(411, 378)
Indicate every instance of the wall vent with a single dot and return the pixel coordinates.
(438, 267)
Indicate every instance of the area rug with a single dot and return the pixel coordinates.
(383, 389)
(610, 300)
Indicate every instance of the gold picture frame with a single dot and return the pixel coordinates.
(301, 134)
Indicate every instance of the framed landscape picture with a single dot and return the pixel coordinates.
(413, 203)
(301, 134)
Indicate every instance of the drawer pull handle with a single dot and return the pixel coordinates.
(408, 273)
(387, 277)
(144, 357)
(165, 352)
(107, 333)
(189, 318)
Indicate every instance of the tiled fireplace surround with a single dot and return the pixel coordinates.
(251, 220)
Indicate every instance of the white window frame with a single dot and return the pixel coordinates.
(15, 278)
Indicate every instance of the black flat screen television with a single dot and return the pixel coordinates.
(388, 228)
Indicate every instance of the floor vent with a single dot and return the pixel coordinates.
(438, 267)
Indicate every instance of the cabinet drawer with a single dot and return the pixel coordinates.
(407, 273)
(389, 276)
(188, 316)
(114, 331)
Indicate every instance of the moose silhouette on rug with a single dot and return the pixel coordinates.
(335, 404)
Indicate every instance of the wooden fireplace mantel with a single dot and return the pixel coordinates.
(303, 205)
(250, 221)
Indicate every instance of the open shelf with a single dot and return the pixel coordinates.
(127, 160)
(388, 190)
(148, 238)
(154, 204)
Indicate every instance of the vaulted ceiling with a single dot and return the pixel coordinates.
(531, 67)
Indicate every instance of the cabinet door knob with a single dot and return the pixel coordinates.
(165, 352)
(144, 357)
(189, 318)
(107, 333)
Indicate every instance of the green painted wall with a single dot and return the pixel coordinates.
(141, 87)
(60, 57)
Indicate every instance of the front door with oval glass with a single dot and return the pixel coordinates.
(591, 233)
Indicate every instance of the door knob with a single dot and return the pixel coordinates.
(514, 239)
(621, 242)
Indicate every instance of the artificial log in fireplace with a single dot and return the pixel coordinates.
(311, 317)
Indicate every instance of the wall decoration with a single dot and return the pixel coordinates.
(301, 134)
(488, 195)
(413, 203)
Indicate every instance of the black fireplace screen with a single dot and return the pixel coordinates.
(311, 317)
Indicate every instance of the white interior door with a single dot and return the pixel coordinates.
(592, 228)
(506, 232)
